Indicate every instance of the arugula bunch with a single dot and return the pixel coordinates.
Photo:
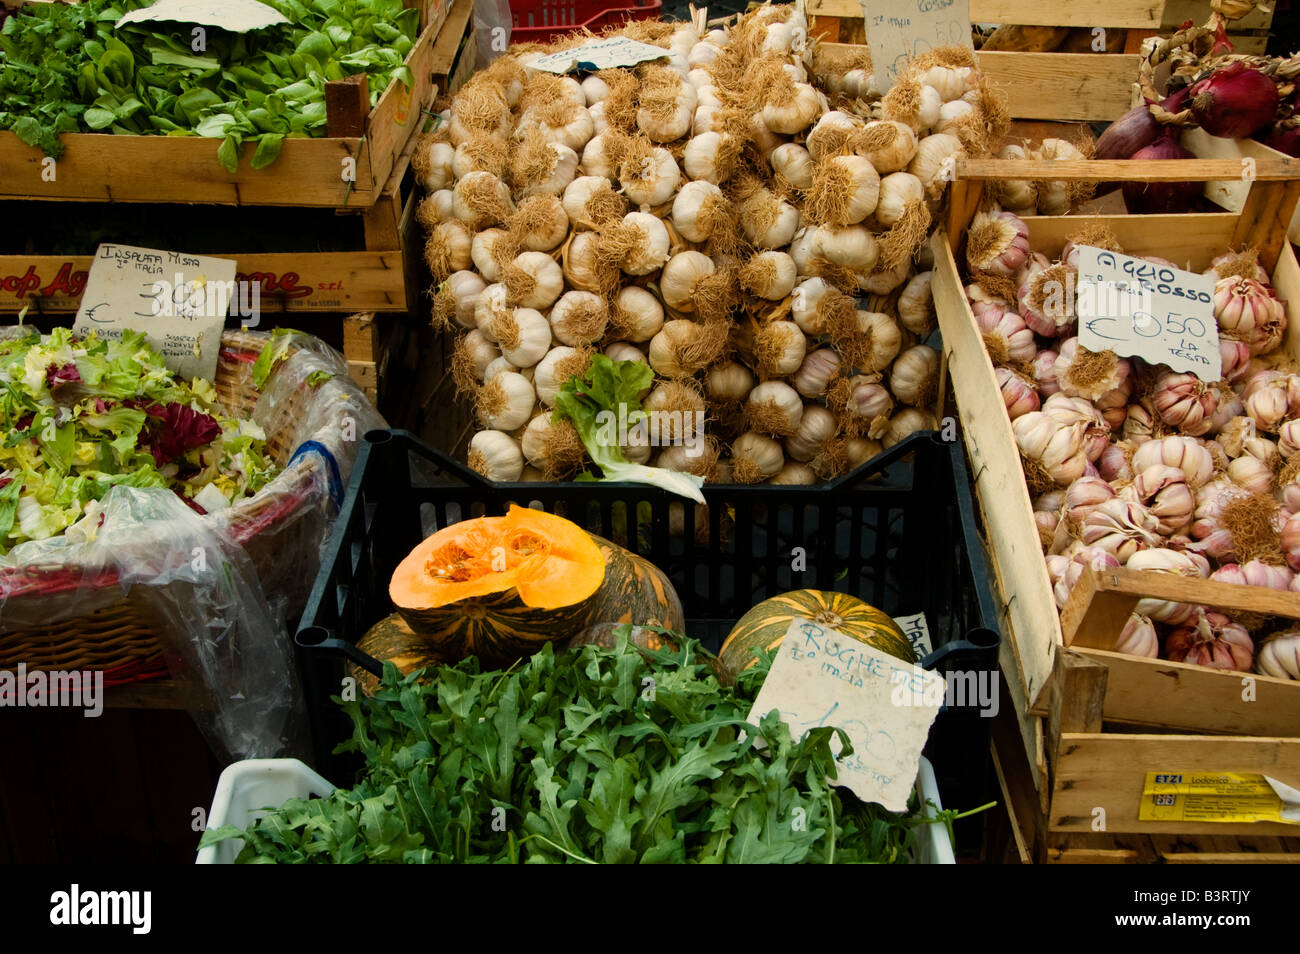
(68, 68)
(594, 755)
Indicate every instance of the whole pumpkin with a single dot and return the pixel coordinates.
(501, 587)
(765, 625)
(391, 640)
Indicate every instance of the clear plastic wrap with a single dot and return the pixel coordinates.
(492, 23)
(218, 591)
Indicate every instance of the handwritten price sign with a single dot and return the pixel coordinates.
(898, 30)
(821, 677)
(1143, 310)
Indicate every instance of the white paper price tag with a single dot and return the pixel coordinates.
(898, 30)
(917, 633)
(179, 301)
(821, 677)
(1142, 310)
(598, 55)
(237, 16)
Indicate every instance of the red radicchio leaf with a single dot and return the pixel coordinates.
(174, 429)
(58, 373)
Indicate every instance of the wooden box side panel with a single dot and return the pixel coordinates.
(1107, 771)
(1090, 87)
(1159, 693)
(999, 480)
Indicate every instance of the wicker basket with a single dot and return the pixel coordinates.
(118, 633)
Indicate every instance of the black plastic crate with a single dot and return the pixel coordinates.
(899, 532)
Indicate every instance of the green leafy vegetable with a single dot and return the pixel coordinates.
(584, 756)
(67, 67)
(82, 415)
(611, 392)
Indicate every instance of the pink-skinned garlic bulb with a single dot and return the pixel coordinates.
(1165, 493)
(1017, 393)
(1186, 453)
(997, 244)
(1246, 311)
(1072, 410)
(1051, 452)
(1092, 374)
(1044, 367)
(1183, 401)
(1116, 461)
(1005, 336)
(1178, 563)
(1138, 638)
(1081, 560)
(1120, 527)
(1254, 573)
(1082, 497)
(1279, 655)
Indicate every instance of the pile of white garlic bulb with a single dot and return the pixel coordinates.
(745, 220)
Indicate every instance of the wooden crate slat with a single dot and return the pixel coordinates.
(1136, 14)
(1075, 13)
(990, 443)
(1087, 87)
(1092, 87)
(1103, 770)
(457, 30)
(1207, 700)
(292, 281)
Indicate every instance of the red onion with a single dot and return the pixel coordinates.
(1285, 140)
(1214, 641)
(1147, 198)
(1234, 102)
(1134, 130)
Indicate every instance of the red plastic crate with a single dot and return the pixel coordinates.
(540, 21)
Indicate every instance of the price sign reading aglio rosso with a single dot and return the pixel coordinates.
(1144, 310)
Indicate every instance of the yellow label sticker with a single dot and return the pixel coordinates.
(1226, 797)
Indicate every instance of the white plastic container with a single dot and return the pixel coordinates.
(247, 788)
(934, 843)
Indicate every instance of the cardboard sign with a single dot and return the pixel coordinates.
(179, 301)
(821, 677)
(1139, 309)
(898, 30)
(237, 16)
(598, 55)
(917, 633)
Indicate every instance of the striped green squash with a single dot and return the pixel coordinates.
(766, 624)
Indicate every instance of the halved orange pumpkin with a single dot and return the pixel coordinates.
(500, 587)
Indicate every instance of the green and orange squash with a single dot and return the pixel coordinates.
(501, 587)
(764, 626)
(391, 640)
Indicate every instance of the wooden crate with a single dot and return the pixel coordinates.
(1091, 87)
(104, 167)
(376, 276)
(1151, 693)
(455, 54)
(1029, 788)
(841, 20)
(1232, 195)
